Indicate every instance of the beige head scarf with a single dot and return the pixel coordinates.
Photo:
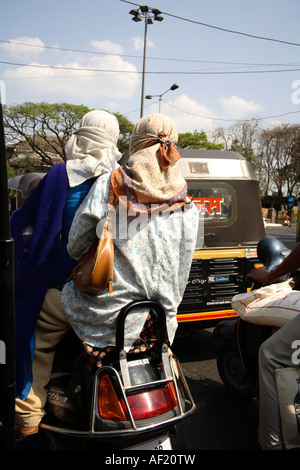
(151, 175)
(92, 149)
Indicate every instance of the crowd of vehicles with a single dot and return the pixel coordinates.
(136, 403)
(225, 189)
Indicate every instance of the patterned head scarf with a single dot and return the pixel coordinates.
(92, 149)
(151, 175)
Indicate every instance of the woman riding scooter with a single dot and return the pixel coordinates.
(153, 247)
(152, 261)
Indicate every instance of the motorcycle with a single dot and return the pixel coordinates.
(237, 356)
(134, 402)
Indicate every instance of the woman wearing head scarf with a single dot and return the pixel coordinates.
(42, 264)
(155, 235)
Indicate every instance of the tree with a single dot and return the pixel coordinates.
(10, 171)
(126, 128)
(197, 140)
(241, 137)
(279, 151)
(47, 127)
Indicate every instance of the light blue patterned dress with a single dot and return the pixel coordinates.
(152, 259)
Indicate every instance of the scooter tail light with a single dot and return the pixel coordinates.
(110, 406)
(153, 402)
(143, 404)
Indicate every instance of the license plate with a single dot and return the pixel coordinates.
(161, 443)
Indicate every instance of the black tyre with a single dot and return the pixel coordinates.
(232, 372)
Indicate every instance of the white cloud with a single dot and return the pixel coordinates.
(107, 46)
(84, 85)
(61, 80)
(24, 47)
(113, 106)
(187, 114)
(238, 107)
(138, 43)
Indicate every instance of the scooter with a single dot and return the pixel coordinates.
(132, 403)
(237, 356)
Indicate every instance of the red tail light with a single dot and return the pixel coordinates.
(142, 404)
(148, 404)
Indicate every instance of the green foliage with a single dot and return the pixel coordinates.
(126, 128)
(246, 152)
(197, 140)
(10, 171)
(47, 127)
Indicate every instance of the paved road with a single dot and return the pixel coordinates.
(221, 421)
(285, 235)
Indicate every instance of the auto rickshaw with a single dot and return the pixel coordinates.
(225, 189)
(20, 187)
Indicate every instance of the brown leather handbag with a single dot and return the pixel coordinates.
(94, 272)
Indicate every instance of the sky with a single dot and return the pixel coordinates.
(232, 61)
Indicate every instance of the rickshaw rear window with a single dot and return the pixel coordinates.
(215, 201)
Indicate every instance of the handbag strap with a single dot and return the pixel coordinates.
(111, 196)
(110, 207)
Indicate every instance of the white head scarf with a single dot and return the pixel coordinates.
(92, 149)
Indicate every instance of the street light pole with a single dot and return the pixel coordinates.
(148, 14)
(144, 67)
(173, 87)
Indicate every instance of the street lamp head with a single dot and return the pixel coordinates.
(174, 86)
(144, 9)
(148, 97)
(149, 14)
(136, 18)
(134, 12)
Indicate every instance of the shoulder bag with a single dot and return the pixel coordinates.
(94, 272)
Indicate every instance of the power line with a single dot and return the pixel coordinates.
(177, 72)
(229, 120)
(222, 29)
(82, 51)
(232, 31)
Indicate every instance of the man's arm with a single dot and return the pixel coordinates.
(291, 263)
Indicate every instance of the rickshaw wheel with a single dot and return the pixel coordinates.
(232, 372)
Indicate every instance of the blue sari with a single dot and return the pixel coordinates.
(40, 258)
